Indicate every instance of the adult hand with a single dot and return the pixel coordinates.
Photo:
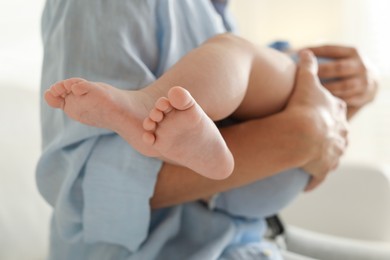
(355, 84)
(327, 124)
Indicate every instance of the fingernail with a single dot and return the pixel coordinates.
(307, 53)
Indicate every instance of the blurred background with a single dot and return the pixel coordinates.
(359, 23)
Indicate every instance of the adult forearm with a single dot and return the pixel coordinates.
(261, 148)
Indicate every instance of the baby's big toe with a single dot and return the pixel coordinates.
(53, 100)
(180, 98)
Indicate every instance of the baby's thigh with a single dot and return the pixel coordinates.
(270, 85)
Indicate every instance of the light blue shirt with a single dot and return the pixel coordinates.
(98, 185)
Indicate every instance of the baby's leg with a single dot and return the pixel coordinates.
(187, 135)
(217, 74)
(222, 75)
(229, 74)
(270, 85)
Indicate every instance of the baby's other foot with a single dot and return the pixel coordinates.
(180, 130)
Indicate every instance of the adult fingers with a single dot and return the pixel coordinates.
(334, 51)
(341, 68)
(358, 100)
(355, 91)
(307, 62)
(348, 87)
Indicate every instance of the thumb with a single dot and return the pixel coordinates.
(313, 184)
(306, 81)
(307, 62)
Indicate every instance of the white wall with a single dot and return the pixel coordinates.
(301, 22)
(20, 45)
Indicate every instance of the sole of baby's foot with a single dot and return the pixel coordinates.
(88, 102)
(182, 133)
(101, 105)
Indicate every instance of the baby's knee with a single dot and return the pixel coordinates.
(227, 39)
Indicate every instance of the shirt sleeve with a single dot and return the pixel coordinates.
(98, 185)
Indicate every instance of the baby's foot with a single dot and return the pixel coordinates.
(101, 105)
(181, 131)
